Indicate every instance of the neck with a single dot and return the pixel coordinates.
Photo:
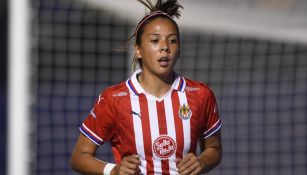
(155, 85)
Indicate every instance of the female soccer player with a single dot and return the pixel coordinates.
(155, 118)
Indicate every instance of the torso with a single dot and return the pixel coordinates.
(159, 130)
(163, 131)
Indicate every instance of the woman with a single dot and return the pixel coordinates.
(155, 118)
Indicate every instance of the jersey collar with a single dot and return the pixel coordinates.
(135, 87)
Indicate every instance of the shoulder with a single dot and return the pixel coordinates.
(118, 90)
(200, 91)
(198, 87)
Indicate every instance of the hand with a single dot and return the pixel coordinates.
(190, 164)
(129, 165)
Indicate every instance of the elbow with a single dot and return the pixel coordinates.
(219, 158)
(74, 163)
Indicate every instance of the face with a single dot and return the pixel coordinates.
(159, 48)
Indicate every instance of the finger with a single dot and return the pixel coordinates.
(192, 169)
(185, 166)
(184, 160)
(138, 170)
(178, 161)
(133, 159)
(126, 170)
(196, 171)
(190, 165)
(131, 162)
(130, 165)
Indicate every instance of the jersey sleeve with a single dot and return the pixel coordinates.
(212, 123)
(99, 124)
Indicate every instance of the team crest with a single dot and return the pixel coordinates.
(184, 112)
(164, 147)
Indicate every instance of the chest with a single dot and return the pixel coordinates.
(160, 129)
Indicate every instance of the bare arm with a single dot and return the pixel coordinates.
(211, 154)
(83, 157)
(84, 161)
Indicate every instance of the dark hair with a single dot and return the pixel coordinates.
(171, 7)
(168, 9)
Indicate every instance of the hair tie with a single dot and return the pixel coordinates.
(148, 16)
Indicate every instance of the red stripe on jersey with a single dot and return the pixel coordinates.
(162, 131)
(146, 134)
(131, 146)
(194, 121)
(178, 125)
(211, 121)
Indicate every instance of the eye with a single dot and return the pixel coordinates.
(154, 41)
(173, 41)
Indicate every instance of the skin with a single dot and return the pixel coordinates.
(159, 40)
(210, 157)
(83, 160)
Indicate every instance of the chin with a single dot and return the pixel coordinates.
(165, 71)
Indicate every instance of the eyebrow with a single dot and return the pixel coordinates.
(159, 34)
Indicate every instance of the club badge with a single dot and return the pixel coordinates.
(184, 112)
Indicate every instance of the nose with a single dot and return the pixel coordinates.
(164, 47)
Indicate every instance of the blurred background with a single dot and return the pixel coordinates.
(252, 53)
(3, 83)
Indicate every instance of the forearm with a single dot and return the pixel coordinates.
(210, 158)
(87, 164)
(83, 157)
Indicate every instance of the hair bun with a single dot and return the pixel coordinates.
(170, 7)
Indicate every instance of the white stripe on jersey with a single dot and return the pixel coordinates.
(154, 130)
(170, 122)
(186, 124)
(138, 132)
(90, 131)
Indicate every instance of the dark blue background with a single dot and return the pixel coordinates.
(3, 83)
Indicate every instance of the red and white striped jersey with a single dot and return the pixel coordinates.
(159, 130)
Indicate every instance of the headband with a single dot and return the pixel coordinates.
(148, 16)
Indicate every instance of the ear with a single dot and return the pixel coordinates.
(137, 51)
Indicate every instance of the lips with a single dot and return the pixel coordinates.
(164, 61)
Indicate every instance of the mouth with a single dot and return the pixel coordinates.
(164, 61)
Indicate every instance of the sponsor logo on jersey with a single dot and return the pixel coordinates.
(93, 114)
(100, 98)
(164, 146)
(191, 89)
(184, 112)
(136, 113)
(120, 94)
